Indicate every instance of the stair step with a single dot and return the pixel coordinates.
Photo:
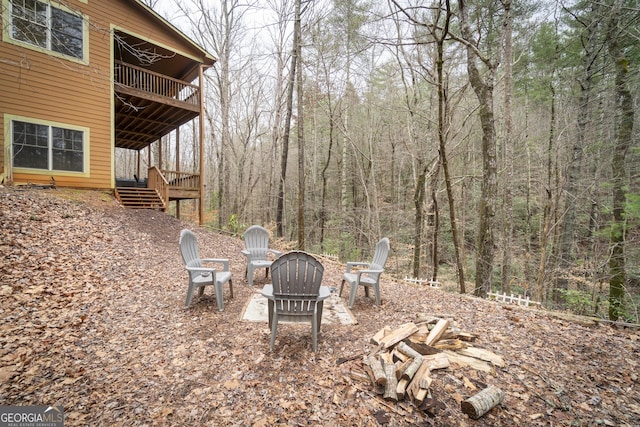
(139, 198)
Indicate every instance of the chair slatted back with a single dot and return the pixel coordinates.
(256, 241)
(380, 254)
(189, 249)
(296, 279)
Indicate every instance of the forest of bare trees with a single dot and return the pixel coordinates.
(495, 142)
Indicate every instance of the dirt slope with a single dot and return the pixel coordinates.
(92, 318)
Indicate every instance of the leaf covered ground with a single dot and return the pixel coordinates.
(92, 318)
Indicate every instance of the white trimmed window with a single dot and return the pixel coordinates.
(40, 24)
(47, 147)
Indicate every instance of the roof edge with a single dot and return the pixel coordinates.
(212, 59)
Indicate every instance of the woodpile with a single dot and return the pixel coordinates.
(399, 366)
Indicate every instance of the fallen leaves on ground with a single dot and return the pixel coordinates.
(93, 319)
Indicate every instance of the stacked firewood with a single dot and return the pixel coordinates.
(400, 365)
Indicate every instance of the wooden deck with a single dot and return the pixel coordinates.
(162, 187)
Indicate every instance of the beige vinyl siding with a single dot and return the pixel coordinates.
(50, 88)
(44, 87)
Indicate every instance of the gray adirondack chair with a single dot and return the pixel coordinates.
(256, 241)
(296, 296)
(199, 275)
(369, 274)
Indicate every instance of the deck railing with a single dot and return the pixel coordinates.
(130, 76)
(182, 180)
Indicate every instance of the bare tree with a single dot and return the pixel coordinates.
(301, 143)
(623, 140)
(287, 123)
(590, 23)
(483, 86)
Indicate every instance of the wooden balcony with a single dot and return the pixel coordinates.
(149, 105)
(143, 83)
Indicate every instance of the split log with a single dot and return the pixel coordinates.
(359, 376)
(392, 383)
(421, 334)
(376, 339)
(413, 367)
(398, 355)
(401, 389)
(471, 362)
(483, 354)
(398, 335)
(426, 319)
(424, 386)
(437, 331)
(426, 380)
(479, 404)
(421, 347)
(405, 349)
(402, 367)
(450, 344)
(455, 333)
(379, 376)
(414, 388)
(437, 361)
(386, 357)
(369, 371)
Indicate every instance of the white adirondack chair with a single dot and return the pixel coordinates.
(199, 275)
(369, 274)
(256, 241)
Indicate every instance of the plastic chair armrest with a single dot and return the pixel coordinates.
(223, 261)
(375, 273)
(275, 252)
(202, 269)
(355, 264)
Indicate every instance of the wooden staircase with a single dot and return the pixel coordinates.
(140, 198)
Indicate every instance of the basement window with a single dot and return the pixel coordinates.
(52, 28)
(47, 147)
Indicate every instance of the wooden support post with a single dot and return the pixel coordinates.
(479, 404)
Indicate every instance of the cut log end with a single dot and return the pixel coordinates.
(479, 404)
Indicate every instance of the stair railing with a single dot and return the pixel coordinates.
(158, 182)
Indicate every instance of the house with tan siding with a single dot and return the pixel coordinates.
(80, 79)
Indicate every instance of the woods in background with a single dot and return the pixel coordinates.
(494, 142)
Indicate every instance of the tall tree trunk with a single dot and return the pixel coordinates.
(287, 131)
(545, 231)
(623, 140)
(571, 188)
(418, 202)
(225, 107)
(300, 104)
(345, 172)
(411, 87)
(443, 126)
(434, 224)
(508, 150)
(487, 203)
